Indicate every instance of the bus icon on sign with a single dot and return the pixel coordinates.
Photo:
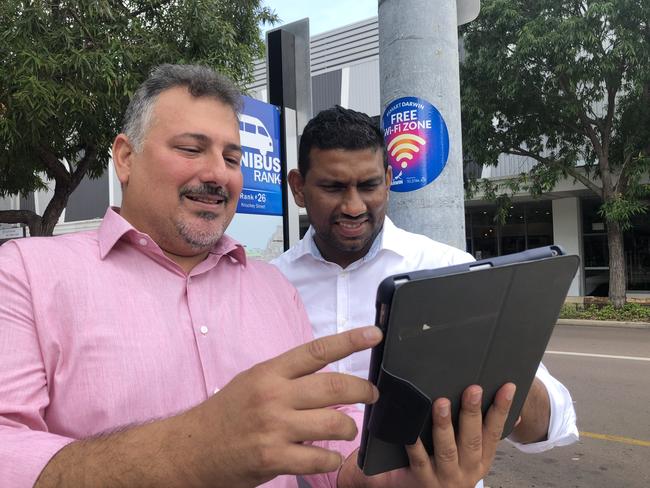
(254, 134)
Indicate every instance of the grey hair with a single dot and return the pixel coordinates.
(200, 81)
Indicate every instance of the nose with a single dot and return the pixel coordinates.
(353, 205)
(214, 170)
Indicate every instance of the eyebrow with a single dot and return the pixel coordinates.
(336, 182)
(233, 147)
(202, 138)
(369, 181)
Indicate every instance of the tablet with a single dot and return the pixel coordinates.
(486, 322)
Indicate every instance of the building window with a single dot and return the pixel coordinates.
(527, 225)
(637, 254)
(481, 231)
(596, 251)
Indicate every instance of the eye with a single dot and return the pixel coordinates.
(331, 188)
(369, 186)
(233, 161)
(189, 149)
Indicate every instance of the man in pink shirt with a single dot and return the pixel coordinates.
(151, 352)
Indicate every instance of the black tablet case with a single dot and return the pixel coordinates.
(486, 322)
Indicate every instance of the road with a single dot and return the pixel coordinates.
(611, 392)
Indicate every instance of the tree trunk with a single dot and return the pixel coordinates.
(65, 184)
(617, 282)
(45, 226)
(40, 226)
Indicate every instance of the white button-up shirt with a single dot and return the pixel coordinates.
(340, 299)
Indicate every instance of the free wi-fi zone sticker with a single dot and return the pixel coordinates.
(403, 147)
(417, 142)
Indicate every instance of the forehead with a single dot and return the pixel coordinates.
(176, 107)
(343, 164)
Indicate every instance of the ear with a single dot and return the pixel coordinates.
(297, 183)
(389, 180)
(122, 153)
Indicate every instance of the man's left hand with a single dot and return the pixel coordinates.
(456, 462)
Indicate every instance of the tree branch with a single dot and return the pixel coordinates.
(571, 127)
(117, 4)
(26, 217)
(587, 122)
(151, 8)
(82, 25)
(621, 184)
(558, 165)
(54, 165)
(64, 188)
(606, 130)
(90, 155)
(645, 96)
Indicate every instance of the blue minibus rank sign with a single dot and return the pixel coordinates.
(259, 131)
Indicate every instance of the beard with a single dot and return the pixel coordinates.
(333, 240)
(203, 236)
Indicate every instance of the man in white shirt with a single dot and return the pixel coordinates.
(343, 182)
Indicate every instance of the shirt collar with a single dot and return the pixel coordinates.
(391, 240)
(115, 228)
(304, 247)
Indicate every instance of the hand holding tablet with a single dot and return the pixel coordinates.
(485, 323)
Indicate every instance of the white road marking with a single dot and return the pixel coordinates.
(604, 356)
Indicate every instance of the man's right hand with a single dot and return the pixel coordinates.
(259, 420)
(248, 433)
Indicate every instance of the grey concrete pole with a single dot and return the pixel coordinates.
(418, 57)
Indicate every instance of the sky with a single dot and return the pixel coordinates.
(324, 15)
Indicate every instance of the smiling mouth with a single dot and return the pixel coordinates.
(207, 199)
(352, 228)
(205, 194)
(351, 225)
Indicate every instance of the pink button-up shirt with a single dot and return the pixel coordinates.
(100, 330)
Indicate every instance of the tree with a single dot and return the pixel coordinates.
(566, 83)
(68, 68)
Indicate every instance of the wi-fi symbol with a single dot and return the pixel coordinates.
(404, 146)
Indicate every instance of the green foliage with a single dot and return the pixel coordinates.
(567, 83)
(620, 209)
(630, 312)
(68, 67)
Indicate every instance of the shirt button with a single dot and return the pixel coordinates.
(204, 330)
(142, 242)
(216, 390)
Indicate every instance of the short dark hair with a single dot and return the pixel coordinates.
(339, 128)
(200, 81)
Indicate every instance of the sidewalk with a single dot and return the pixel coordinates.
(604, 323)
